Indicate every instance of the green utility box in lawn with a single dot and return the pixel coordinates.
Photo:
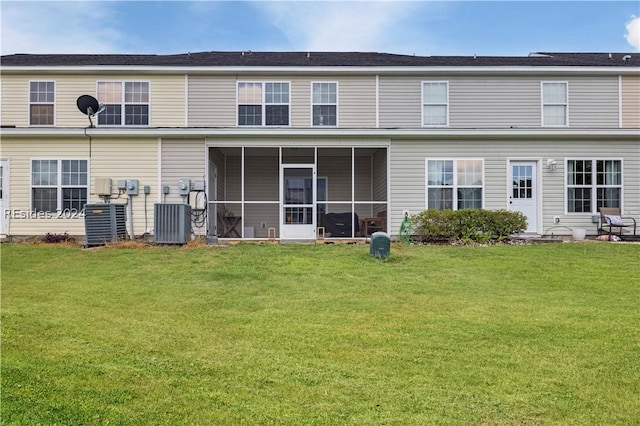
(380, 245)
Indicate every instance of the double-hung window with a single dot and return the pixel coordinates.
(41, 103)
(324, 96)
(59, 185)
(555, 103)
(263, 104)
(454, 184)
(435, 103)
(126, 103)
(592, 184)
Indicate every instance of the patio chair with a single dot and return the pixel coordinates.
(229, 224)
(611, 221)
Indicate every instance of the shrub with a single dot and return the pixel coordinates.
(468, 225)
(57, 238)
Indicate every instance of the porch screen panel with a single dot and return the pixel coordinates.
(261, 174)
(298, 156)
(363, 190)
(334, 164)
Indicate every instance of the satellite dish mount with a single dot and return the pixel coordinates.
(89, 106)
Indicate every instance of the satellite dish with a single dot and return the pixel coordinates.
(89, 106)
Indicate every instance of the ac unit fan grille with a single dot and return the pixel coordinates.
(172, 223)
(104, 223)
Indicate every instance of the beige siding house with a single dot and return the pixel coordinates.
(296, 146)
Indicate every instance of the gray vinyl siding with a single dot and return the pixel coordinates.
(400, 101)
(182, 158)
(494, 102)
(357, 101)
(499, 101)
(211, 101)
(408, 189)
(594, 102)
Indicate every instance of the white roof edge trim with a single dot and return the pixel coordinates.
(327, 69)
(213, 132)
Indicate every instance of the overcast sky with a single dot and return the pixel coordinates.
(507, 28)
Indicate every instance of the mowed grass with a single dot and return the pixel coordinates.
(321, 335)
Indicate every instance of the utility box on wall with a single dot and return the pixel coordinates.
(184, 186)
(103, 186)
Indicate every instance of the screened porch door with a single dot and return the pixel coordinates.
(298, 206)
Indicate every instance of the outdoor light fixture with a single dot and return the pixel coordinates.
(551, 164)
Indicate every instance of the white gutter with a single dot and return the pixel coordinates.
(320, 69)
(294, 132)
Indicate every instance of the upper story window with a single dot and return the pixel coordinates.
(454, 184)
(435, 103)
(59, 185)
(324, 98)
(41, 103)
(263, 104)
(592, 184)
(126, 103)
(555, 103)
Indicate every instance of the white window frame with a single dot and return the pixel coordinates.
(565, 104)
(123, 103)
(455, 183)
(53, 103)
(424, 103)
(263, 103)
(334, 104)
(59, 186)
(594, 184)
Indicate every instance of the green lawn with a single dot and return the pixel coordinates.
(322, 335)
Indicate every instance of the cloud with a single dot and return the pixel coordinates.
(346, 26)
(633, 32)
(58, 27)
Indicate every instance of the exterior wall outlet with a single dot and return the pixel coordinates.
(556, 219)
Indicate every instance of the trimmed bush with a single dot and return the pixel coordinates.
(468, 225)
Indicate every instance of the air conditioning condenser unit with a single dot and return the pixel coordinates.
(104, 223)
(172, 223)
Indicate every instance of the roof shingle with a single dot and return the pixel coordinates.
(318, 59)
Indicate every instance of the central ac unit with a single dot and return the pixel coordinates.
(104, 223)
(172, 223)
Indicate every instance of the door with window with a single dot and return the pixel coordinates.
(4, 196)
(523, 192)
(298, 216)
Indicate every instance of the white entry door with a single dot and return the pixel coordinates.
(4, 197)
(523, 195)
(298, 201)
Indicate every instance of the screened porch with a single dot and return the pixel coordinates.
(296, 192)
